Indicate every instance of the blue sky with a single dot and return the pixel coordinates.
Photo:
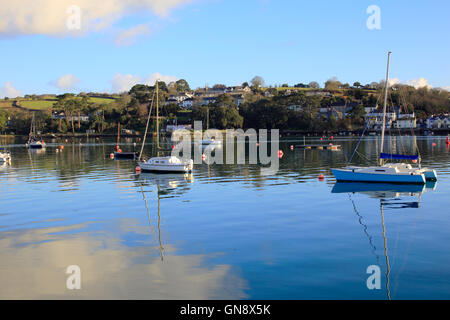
(213, 41)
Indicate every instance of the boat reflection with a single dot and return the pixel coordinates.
(383, 190)
(165, 184)
(391, 196)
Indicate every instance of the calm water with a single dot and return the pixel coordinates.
(226, 231)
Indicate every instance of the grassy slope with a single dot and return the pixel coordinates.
(44, 104)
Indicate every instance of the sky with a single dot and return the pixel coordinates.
(56, 46)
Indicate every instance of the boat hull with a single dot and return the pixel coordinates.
(125, 155)
(179, 168)
(346, 175)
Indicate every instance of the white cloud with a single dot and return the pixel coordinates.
(393, 81)
(128, 36)
(49, 17)
(418, 83)
(151, 79)
(66, 82)
(9, 91)
(124, 82)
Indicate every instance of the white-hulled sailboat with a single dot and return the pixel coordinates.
(391, 172)
(170, 164)
(34, 142)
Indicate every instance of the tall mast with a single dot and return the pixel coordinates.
(384, 106)
(157, 118)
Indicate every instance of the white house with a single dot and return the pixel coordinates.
(173, 127)
(295, 107)
(208, 100)
(406, 121)
(438, 122)
(376, 120)
(187, 103)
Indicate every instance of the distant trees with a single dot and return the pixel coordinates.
(314, 85)
(219, 87)
(332, 84)
(182, 85)
(257, 82)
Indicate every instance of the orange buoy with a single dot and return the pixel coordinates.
(433, 144)
(414, 161)
(120, 150)
(321, 177)
(61, 147)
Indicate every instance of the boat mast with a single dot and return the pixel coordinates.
(384, 106)
(157, 118)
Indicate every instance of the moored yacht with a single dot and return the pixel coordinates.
(390, 172)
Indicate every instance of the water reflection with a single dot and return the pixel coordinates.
(391, 197)
(225, 231)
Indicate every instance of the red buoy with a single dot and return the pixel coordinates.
(138, 169)
(414, 161)
(111, 155)
(447, 141)
(292, 147)
(321, 177)
(280, 154)
(173, 146)
(433, 144)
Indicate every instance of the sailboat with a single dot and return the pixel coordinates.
(5, 156)
(162, 164)
(34, 142)
(389, 172)
(119, 154)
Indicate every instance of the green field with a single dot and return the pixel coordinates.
(100, 100)
(5, 104)
(37, 104)
(44, 104)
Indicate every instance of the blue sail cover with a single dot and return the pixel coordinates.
(398, 156)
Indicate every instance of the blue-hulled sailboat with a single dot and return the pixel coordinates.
(389, 172)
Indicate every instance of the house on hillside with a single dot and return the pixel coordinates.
(405, 121)
(208, 100)
(376, 120)
(295, 107)
(187, 103)
(438, 122)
